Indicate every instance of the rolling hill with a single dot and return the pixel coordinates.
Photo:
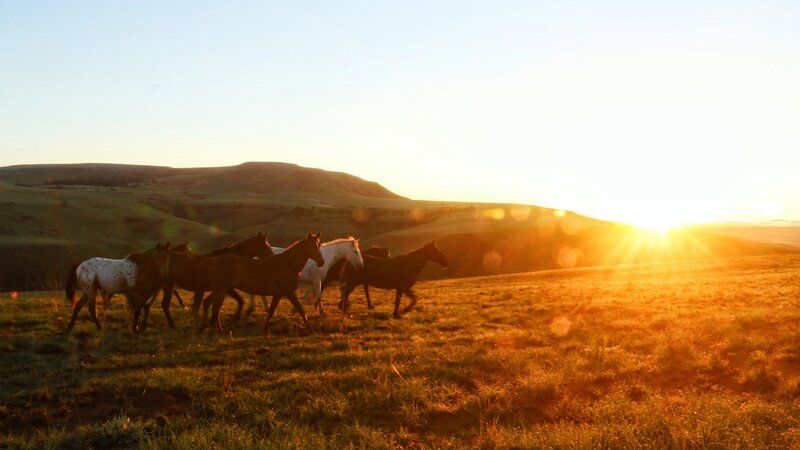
(54, 215)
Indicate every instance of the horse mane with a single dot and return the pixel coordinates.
(181, 248)
(340, 241)
(292, 245)
(141, 256)
(419, 249)
(236, 245)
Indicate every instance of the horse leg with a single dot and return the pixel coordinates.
(344, 302)
(316, 292)
(413, 297)
(207, 302)
(299, 308)
(168, 291)
(78, 305)
(271, 310)
(180, 300)
(264, 302)
(397, 297)
(93, 310)
(198, 301)
(147, 306)
(240, 303)
(215, 320)
(136, 301)
(366, 294)
(251, 306)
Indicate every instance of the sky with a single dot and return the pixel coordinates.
(650, 113)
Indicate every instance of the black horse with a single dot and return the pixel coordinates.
(399, 273)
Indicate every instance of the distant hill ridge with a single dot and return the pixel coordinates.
(58, 214)
(254, 176)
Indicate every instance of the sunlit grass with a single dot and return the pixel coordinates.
(670, 355)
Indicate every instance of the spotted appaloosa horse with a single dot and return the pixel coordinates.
(399, 273)
(138, 276)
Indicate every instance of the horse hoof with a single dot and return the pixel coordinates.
(370, 307)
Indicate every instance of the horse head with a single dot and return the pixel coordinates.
(258, 247)
(160, 259)
(311, 245)
(434, 254)
(354, 254)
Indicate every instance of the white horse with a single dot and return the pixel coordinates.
(136, 276)
(311, 276)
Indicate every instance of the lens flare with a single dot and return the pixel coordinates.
(417, 214)
(560, 325)
(494, 213)
(568, 257)
(360, 215)
(492, 261)
(520, 212)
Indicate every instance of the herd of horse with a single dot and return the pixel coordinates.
(251, 266)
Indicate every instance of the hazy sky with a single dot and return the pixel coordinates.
(628, 110)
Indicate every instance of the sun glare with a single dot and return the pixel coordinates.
(659, 225)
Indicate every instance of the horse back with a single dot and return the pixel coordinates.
(111, 275)
(267, 276)
(183, 270)
(379, 272)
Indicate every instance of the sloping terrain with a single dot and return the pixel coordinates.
(688, 355)
(54, 215)
(787, 233)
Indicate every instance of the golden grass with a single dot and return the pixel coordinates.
(680, 355)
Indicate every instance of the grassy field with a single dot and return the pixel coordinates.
(702, 354)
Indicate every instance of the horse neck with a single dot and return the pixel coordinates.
(145, 270)
(296, 257)
(240, 248)
(333, 253)
(418, 258)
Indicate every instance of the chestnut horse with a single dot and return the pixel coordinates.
(138, 276)
(184, 273)
(399, 273)
(312, 278)
(275, 275)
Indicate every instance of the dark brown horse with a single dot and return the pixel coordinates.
(399, 273)
(138, 276)
(274, 275)
(183, 271)
(338, 270)
(343, 268)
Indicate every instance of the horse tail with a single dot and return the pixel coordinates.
(72, 283)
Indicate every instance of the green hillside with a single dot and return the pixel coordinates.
(54, 215)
